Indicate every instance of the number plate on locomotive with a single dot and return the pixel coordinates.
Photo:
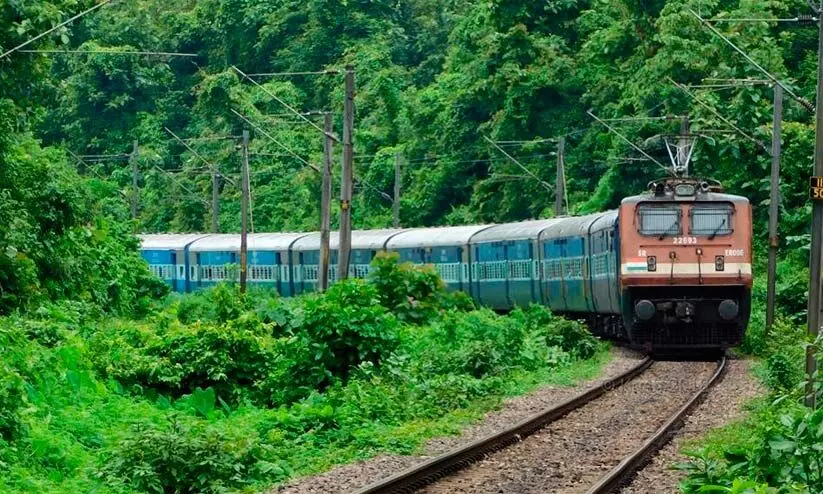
(816, 188)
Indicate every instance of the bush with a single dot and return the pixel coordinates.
(178, 459)
(571, 336)
(347, 326)
(11, 401)
(414, 294)
(12, 396)
(219, 304)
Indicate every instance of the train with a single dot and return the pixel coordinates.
(670, 269)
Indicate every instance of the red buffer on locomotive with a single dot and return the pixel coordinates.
(685, 265)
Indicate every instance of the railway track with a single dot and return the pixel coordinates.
(548, 452)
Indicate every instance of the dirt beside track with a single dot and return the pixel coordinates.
(574, 452)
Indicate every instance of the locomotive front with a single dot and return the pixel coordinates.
(685, 266)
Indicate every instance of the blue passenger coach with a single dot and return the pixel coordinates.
(568, 264)
(167, 255)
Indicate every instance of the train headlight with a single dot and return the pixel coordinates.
(684, 190)
(651, 263)
(719, 263)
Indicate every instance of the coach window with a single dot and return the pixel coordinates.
(662, 220)
(711, 219)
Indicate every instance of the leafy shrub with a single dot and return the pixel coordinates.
(11, 400)
(347, 326)
(784, 453)
(782, 374)
(230, 358)
(570, 336)
(181, 460)
(414, 294)
(219, 304)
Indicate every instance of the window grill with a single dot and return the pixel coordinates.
(361, 270)
(520, 270)
(492, 271)
(574, 267)
(711, 219)
(449, 271)
(309, 272)
(600, 265)
(263, 273)
(162, 271)
(662, 220)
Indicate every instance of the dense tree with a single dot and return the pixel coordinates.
(434, 79)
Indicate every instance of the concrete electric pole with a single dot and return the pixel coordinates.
(774, 198)
(815, 272)
(325, 206)
(344, 252)
(244, 214)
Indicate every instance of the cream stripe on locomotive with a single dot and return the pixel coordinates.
(684, 268)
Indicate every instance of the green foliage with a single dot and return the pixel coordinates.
(348, 326)
(257, 389)
(412, 293)
(780, 454)
(433, 78)
(181, 460)
(11, 400)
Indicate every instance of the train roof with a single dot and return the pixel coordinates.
(606, 220)
(360, 239)
(704, 197)
(522, 230)
(168, 241)
(435, 237)
(230, 242)
(575, 225)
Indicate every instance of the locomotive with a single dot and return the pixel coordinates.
(669, 269)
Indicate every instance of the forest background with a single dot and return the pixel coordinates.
(433, 78)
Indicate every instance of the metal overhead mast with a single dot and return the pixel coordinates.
(816, 261)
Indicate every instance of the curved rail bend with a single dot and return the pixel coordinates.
(426, 472)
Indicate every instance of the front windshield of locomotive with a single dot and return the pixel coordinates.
(713, 219)
(660, 220)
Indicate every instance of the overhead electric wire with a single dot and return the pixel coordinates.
(745, 19)
(289, 107)
(274, 140)
(112, 52)
(55, 28)
(204, 160)
(191, 194)
(716, 113)
(765, 72)
(95, 172)
(627, 141)
(633, 119)
(521, 165)
(288, 74)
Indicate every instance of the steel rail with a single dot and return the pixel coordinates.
(622, 474)
(429, 471)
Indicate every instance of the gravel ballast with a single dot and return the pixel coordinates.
(347, 478)
(573, 453)
(722, 405)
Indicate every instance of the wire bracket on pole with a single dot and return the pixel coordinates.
(629, 142)
(805, 104)
(289, 107)
(521, 165)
